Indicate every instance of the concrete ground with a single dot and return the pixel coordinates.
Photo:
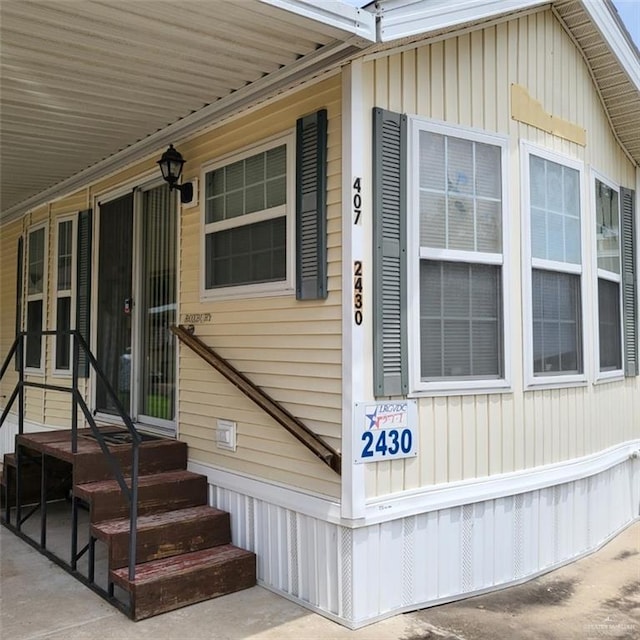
(595, 598)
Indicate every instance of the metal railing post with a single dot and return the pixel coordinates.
(133, 512)
(20, 431)
(74, 393)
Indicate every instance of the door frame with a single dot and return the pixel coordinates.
(138, 185)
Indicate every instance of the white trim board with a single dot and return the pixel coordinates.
(424, 500)
(409, 503)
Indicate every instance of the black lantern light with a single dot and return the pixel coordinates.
(171, 166)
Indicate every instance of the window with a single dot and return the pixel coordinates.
(458, 200)
(555, 269)
(247, 222)
(36, 278)
(608, 263)
(65, 281)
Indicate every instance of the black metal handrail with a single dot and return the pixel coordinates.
(130, 493)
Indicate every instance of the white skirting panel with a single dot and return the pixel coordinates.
(358, 575)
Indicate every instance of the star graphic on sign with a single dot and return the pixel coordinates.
(372, 417)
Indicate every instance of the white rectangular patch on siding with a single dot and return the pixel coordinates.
(385, 430)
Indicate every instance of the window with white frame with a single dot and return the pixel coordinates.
(556, 266)
(36, 278)
(65, 280)
(608, 259)
(247, 220)
(458, 193)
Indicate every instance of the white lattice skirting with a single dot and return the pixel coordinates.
(357, 576)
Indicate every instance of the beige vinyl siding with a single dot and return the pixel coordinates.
(290, 348)
(9, 235)
(50, 408)
(466, 80)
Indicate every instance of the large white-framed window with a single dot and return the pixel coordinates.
(458, 268)
(249, 221)
(36, 290)
(606, 205)
(65, 286)
(554, 257)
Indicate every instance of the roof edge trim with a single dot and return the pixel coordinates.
(406, 18)
(608, 24)
(334, 13)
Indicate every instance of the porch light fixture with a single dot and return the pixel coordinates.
(171, 166)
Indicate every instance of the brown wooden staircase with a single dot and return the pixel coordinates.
(183, 547)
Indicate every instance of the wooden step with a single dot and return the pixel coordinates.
(155, 456)
(163, 535)
(171, 583)
(157, 493)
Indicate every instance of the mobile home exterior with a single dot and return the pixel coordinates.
(425, 249)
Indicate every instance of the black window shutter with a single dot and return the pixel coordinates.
(83, 284)
(311, 206)
(629, 283)
(390, 253)
(19, 271)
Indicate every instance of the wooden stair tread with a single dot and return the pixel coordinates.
(169, 568)
(106, 486)
(121, 525)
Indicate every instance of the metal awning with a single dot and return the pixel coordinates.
(82, 81)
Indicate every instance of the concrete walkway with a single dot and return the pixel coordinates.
(594, 599)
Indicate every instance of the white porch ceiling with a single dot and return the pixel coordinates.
(82, 80)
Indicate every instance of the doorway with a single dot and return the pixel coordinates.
(136, 305)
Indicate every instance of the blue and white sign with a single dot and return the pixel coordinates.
(385, 430)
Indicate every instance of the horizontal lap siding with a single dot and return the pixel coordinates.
(466, 80)
(9, 235)
(289, 348)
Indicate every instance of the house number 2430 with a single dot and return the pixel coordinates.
(357, 292)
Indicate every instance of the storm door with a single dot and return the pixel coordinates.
(137, 305)
(114, 314)
(157, 307)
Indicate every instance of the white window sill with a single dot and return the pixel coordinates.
(245, 292)
(34, 372)
(458, 389)
(556, 383)
(605, 377)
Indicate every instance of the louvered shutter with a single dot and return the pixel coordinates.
(19, 269)
(389, 265)
(83, 284)
(311, 206)
(629, 283)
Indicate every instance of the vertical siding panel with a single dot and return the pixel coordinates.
(381, 83)
(477, 79)
(409, 82)
(469, 437)
(437, 81)
(502, 78)
(546, 398)
(394, 82)
(482, 435)
(507, 403)
(451, 80)
(495, 435)
(464, 80)
(423, 80)
(490, 113)
(454, 421)
(428, 443)
(441, 467)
